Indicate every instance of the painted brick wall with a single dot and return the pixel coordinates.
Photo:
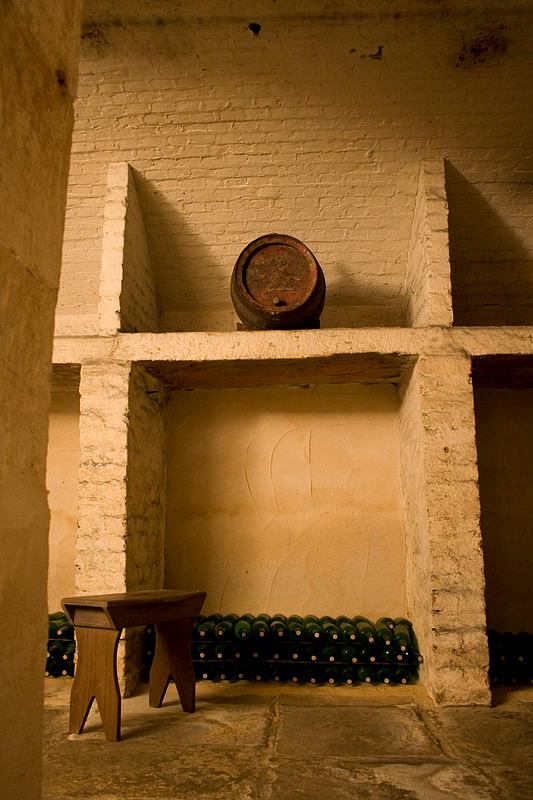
(315, 126)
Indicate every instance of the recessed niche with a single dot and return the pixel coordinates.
(491, 249)
(287, 499)
(503, 393)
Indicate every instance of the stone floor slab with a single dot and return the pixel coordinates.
(489, 735)
(345, 780)
(355, 732)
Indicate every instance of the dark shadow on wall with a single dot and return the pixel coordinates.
(191, 285)
(491, 267)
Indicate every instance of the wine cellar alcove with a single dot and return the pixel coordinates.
(207, 453)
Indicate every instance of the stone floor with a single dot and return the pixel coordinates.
(259, 742)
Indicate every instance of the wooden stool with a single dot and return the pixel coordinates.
(99, 620)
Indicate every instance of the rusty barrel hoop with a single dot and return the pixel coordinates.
(277, 283)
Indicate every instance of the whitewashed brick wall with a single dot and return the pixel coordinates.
(314, 127)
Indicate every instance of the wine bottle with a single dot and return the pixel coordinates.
(55, 649)
(203, 651)
(331, 674)
(223, 652)
(383, 634)
(402, 675)
(348, 632)
(206, 629)
(368, 655)
(312, 629)
(278, 628)
(384, 675)
(365, 629)
(350, 654)
(365, 674)
(69, 651)
(314, 653)
(278, 618)
(295, 627)
(53, 668)
(296, 652)
(260, 629)
(387, 621)
(329, 653)
(264, 618)
(402, 636)
(224, 628)
(242, 629)
(349, 675)
(331, 631)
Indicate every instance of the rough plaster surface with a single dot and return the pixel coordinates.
(38, 80)
(314, 127)
(504, 430)
(62, 484)
(287, 500)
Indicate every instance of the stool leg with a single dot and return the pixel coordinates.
(172, 659)
(96, 677)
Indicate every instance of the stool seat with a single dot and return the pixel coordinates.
(98, 621)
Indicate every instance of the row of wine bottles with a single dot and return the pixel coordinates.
(295, 628)
(61, 647)
(305, 672)
(374, 653)
(273, 647)
(511, 658)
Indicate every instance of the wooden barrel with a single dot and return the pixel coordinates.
(277, 283)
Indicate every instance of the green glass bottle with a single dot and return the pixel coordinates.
(402, 675)
(312, 630)
(365, 674)
(383, 634)
(384, 675)
(53, 668)
(314, 653)
(387, 621)
(56, 649)
(329, 653)
(205, 629)
(203, 651)
(223, 652)
(296, 652)
(331, 674)
(264, 618)
(260, 629)
(224, 628)
(242, 629)
(295, 627)
(348, 632)
(278, 618)
(402, 636)
(387, 654)
(368, 655)
(350, 654)
(70, 650)
(278, 629)
(330, 631)
(365, 630)
(349, 675)
(310, 619)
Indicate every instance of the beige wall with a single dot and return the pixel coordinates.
(315, 127)
(504, 424)
(39, 46)
(287, 500)
(62, 483)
